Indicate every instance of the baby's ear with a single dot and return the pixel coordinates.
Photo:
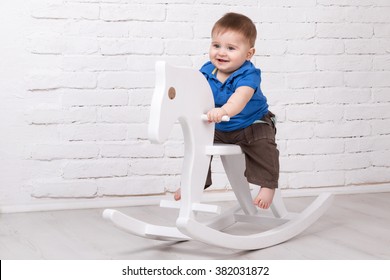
(250, 53)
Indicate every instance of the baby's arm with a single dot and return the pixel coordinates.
(235, 104)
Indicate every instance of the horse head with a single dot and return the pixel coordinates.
(180, 94)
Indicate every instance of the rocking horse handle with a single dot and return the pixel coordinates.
(224, 118)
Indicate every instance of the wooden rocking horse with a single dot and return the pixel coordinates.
(183, 94)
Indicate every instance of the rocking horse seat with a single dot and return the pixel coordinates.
(223, 149)
(183, 94)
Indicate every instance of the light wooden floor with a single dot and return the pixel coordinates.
(356, 227)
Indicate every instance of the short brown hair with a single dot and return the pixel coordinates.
(239, 23)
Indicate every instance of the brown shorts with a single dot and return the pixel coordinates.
(257, 141)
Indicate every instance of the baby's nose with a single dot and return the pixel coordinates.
(222, 51)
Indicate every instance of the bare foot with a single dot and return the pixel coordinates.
(177, 195)
(264, 199)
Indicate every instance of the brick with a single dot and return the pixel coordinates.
(156, 166)
(381, 30)
(371, 14)
(78, 80)
(57, 116)
(140, 97)
(316, 15)
(82, 28)
(35, 170)
(133, 149)
(131, 46)
(64, 151)
(367, 112)
(46, 43)
(64, 189)
(366, 46)
(381, 63)
(312, 113)
(381, 143)
(40, 80)
(81, 97)
(272, 81)
(270, 47)
(367, 176)
(202, 30)
(287, 63)
(315, 146)
(93, 132)
(342, 96)
(344, 63)
(187, 47)
(93, 63)
(132, 12)
(367, 79)
(343, 130)
(75, 45)
(163, 30)
(315, 46)
(48, 116)
(344, 30)
(135, 185)
(381, 94)
(174, 149)
(49, 10)
(290, 96)
(286, 31)
(358, 145)
(50, 63)
(314, 79)
(39, 133)
(316, 179)
(342, 162)
(137, 131)
(125, 80)
(352, 2)
(296, 164)
(295, 130)
(100, 168)
(124, 114)
(195, 13)
(58, 44)
(380, 158)
(230, 2)
(268, 14)
(380, 127)
(148, 63)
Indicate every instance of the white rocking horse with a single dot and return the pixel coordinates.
(183, 94)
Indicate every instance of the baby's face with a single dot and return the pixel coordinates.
(229, 50)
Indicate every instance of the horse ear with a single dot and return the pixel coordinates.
(171, 93)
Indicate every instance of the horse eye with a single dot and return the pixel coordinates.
(171, 93)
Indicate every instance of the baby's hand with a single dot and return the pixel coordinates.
(216, 114)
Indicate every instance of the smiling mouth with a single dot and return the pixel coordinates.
(222, 60)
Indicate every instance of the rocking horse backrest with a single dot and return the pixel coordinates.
(180, 94)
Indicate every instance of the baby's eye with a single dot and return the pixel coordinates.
(231, 48)
(217, 46)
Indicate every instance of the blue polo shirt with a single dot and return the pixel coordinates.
(246, 75)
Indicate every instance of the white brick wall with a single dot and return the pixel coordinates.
(79, 78)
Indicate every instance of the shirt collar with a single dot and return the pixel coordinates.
(211, 71)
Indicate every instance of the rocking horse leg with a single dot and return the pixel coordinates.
(277, 207)
(235, 167)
